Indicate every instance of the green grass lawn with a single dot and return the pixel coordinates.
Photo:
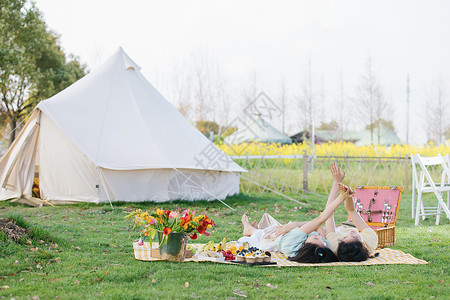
(94, 257)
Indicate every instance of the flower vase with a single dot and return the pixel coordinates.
(175, 246)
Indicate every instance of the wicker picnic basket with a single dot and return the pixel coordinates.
(378, 206)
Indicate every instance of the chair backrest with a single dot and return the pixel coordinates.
(430, 160)
(423, 163)
(445, 162)
(415, 177)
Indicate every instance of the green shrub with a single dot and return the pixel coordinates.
(3, 237)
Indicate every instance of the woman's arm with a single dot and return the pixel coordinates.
(355, 216)
(338, 176)
(325, 215)
(321, 231)
(288, 227)
(314, 224)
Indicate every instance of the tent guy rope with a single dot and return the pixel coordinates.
(205, 190)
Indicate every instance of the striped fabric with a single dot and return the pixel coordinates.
(386, 256)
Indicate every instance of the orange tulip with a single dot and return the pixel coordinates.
(167, 231)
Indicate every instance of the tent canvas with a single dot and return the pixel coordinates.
(113, 136)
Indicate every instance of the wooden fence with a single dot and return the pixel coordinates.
(310, 174)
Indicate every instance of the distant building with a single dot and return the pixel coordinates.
(257, 130)
(384, 136)
(381, 136)
(324, 136)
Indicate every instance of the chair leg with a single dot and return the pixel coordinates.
(438, 214)
(441, 203)
(413, 210)
(418, 206)
(422, 208)
(448, 202)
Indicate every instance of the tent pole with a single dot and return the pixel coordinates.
(100, 175)
(205, 190)
(46, 202)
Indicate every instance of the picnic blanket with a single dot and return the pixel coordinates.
(386, 256)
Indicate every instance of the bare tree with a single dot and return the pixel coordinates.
(250, 91)
(221, 98)
(369, 102)
(283, 105)
(323, 110)
(436, 103)
(201, 84)
(407, 109)
(180, 88)
(380, 106)
(341, 106)
(307, 101)
(199, 88)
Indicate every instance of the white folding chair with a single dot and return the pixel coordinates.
(424, 183)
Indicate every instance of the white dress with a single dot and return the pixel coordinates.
(263, 238)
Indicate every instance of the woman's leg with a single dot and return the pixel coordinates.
(266, 221)
(254, 240)
(248, 228)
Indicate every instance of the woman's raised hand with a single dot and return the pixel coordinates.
(346, 192)
(338, 176)
(348, 195)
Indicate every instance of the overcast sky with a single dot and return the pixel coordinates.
(274, 39)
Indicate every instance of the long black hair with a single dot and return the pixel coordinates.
(312, 253)
(352, 251)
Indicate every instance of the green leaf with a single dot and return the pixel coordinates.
(152, 233)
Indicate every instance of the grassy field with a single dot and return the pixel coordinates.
(288, 176)
(291, 180)
(85, 251)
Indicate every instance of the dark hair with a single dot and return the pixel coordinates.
(311, 253)
(352, 251)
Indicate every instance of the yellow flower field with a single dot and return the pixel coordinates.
(365, 165)
(333, 149)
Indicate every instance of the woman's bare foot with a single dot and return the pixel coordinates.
(248, 228)
(254, 224)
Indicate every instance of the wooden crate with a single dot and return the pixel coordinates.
(378, 206)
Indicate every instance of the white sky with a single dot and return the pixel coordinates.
(275, 39)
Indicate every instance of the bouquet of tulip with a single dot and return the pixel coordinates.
(167, 222)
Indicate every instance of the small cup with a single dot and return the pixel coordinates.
(250, 260)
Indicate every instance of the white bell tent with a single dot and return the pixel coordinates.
(111, 136)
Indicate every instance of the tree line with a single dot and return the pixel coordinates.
(33, 66)
(203, 92)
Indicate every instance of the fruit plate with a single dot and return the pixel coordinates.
(253, 264)
(209, 258)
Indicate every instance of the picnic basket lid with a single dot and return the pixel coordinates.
(378, 205)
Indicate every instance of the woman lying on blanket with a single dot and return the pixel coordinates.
(300, 241)
(352, 241)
